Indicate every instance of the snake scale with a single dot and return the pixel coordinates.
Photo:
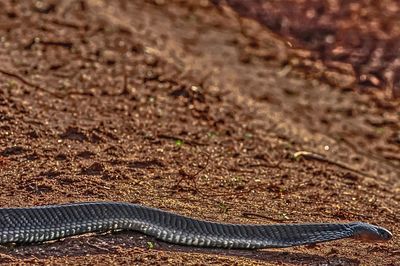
(44, 223)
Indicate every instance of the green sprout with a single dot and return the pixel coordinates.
(178, 142)
(150, 245)
(223, 207)
(248, 135)
(211, 135)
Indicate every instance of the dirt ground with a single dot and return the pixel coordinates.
(359, 38)
(183, 106)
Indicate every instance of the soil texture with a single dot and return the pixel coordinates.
(186, 106)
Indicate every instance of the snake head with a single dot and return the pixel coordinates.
(370, 233)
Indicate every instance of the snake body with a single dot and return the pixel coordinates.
(44, 223)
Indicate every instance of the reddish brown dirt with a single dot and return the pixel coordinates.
(128, 101)
(358, 37)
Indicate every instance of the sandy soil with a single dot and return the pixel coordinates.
(183, 106)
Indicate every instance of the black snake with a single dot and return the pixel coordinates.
(44, 223)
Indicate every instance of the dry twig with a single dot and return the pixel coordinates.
(321, 158)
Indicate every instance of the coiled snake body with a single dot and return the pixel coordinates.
(44, 223)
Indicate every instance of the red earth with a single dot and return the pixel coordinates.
(359, 38)
(189, 107)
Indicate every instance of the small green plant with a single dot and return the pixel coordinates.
(237, 179)
(285, 216)
(150, 245)
(248, 135)
(178, 143)
(223, 207)
(211, 135)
